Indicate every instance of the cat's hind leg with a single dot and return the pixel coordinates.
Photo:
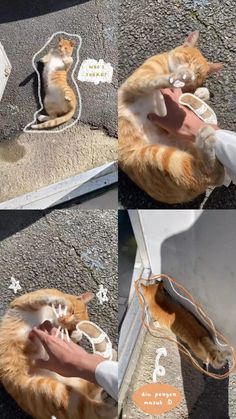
(205, 141)
(216, 357)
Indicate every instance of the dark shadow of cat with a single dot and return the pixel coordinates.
(34, 76)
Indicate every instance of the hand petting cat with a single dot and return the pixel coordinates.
(179, 120)
(65, 358)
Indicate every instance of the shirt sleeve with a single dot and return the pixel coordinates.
(225, 148)
(106, 375)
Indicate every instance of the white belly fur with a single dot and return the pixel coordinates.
(54, 95)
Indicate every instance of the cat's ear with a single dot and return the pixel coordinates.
(86, 297)
(72, 42)
(191, 40)
(214, 67)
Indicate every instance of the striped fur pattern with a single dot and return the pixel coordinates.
(169, 169)
(42, 393)
(173, 316)
(60, 101)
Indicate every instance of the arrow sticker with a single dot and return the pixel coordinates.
(159, 370)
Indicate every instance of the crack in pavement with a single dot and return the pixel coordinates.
(72, 247)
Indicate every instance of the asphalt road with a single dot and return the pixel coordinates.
(25, 26)
(149, 27)
(71, 250)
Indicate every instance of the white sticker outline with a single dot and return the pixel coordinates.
(39, 87)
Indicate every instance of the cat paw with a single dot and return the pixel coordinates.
(219, 358)
(203, 93)
(76, 336)
(181, 77)
(205, 141)
(106, 398)
(67, 60)
(43, 118)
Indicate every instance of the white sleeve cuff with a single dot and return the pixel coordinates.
(106, 375)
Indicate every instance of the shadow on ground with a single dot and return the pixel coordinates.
(25, 9)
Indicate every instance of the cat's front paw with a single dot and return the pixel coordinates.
(203, 93)
(106, 398)
(67, 60)
(181, 77)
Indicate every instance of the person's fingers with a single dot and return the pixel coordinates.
(178, 92)
(42, 336)
(46, 327)
(53, 331)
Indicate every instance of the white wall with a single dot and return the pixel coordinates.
(198, 248)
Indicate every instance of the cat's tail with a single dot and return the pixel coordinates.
(44, 397)
(52, 123)
(157, 168)
(216, 357)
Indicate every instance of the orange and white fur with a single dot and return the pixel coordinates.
(60, 101)
(173, 316)
(170, 170)
(41, 393)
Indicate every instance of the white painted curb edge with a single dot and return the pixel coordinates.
(66, 190)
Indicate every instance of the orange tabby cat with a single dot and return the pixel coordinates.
(172, 315)
(168, 169)
(60, 101)
(42, 393)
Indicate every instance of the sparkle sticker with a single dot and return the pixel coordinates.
(102, 294)
(15, 285)
(96, 72)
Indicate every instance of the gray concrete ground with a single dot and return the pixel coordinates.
(149, 27)
(71, 250)
(202, 397)
(30, 161)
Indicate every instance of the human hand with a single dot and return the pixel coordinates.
(65, 358)
(180, 121)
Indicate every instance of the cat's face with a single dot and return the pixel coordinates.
(188, 56)
(150, 291)
(66, 47)
(78, 311)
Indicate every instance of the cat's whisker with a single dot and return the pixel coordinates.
(67, 335)
(58, 331)
(62, 334)
(65, 311)
(60, 310)
(54, 311)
